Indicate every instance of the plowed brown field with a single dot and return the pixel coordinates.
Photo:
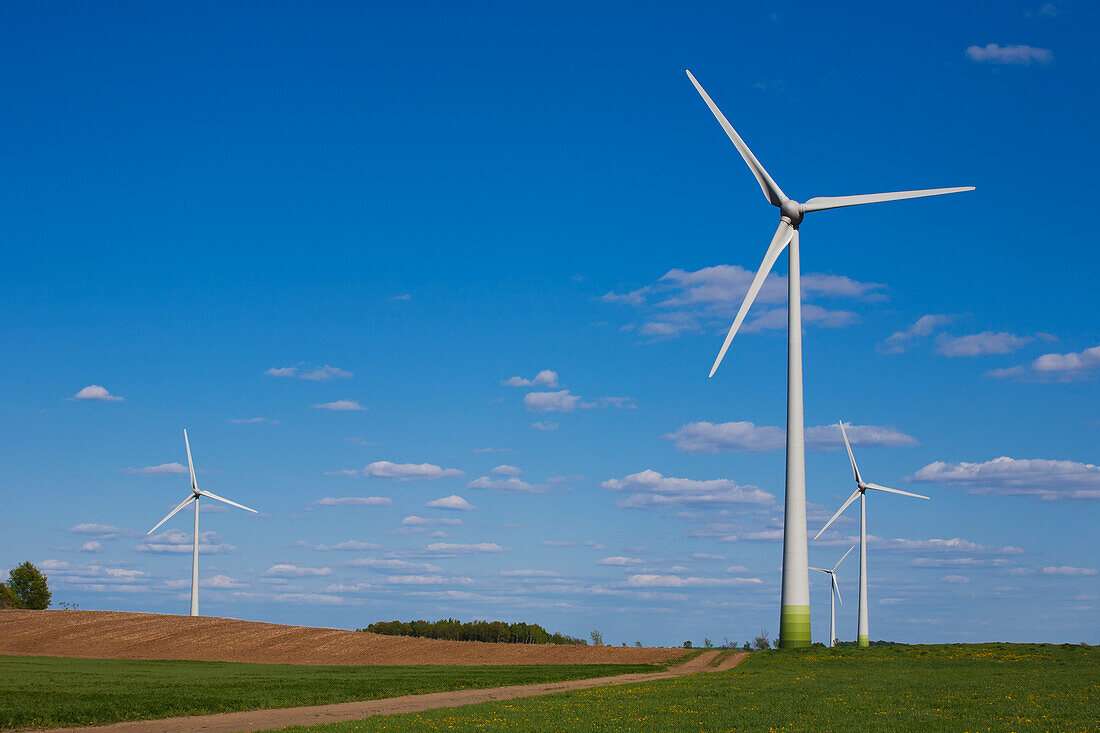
(118, 635)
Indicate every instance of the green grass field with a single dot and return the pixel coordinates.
(52, 691)
(999, 687)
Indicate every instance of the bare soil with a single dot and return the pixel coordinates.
(255, 720)
(119, 635)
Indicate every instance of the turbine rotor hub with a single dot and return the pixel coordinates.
(791, 210)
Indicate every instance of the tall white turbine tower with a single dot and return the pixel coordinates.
(834, 593)
(862, 634)
(196, 494)
(794, 619)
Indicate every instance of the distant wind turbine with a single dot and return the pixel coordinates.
(196, 494)
(862, 635)
(794, 620)
(834, 594)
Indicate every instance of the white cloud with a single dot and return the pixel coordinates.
(393, 564)
(354, 501)
(506, 470)
(545, 426)
(561, 401)
(95, 393)
(455, 548)
(347, 545)
(1020, 55)
(340, 406)
(177, 542)
(414, 521)
(409, 471)
(253, 420)
(554, 543)
(924, 326)
(164, 469)
(284, 570)
(102, 531)
(635, 297)
(1068, 570)
(656, 491)
(1049, 480)
(955, 579)
(1054, 367)
(929, 546)
(91, 547)
(528, 574)
(512, 484)
(676, 581)
(545, 378)
(620, 560)
(980, 344)
(324, 373)
(222, 582)
(454, 501)
(425, 580)
(707, 437)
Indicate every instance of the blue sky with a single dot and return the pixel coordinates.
(235, 219)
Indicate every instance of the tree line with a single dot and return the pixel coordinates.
(498, 632)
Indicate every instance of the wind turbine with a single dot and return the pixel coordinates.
(196, 494)
(862, 635)
(794, 620)
(834, 593)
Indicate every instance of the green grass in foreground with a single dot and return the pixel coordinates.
(1011, 687)
(53, 691)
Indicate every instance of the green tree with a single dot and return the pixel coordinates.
(708, 643)
(687, 645)
(597, 638)
(29, 585)
(8, 599)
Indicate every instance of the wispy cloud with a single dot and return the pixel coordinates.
(1068, 570)
(702, 300)
(980, 344)
(1068, 367)
(1046, 479)
(652, 490)
(324, 373)
(354, 501)
(512, 484)
(102, 531)
(924, 326)
(176, 542)
(340, 406)
(544, 425)
(1018, 55)
(676, 581)
(163, 469)
(285, 570)
(452, 548)
(564, 401)
(620, 560)
(706, 437)
(95, 393)
(253, 421)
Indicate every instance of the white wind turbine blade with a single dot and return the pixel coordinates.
(821, 570)
(190, 464)
(853, 497)
(771, 190)
(855, 470)
(172, 513)
(836, 587)
(842, 558)
(823, 203)
(783, 234)
(227, 501)
(895, 491)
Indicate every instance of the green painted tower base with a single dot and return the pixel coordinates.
(864, 640)
(794, 627)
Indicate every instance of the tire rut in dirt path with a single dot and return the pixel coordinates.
(253, 720)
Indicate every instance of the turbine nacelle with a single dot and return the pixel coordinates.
(792, 211)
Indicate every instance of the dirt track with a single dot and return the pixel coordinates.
(118, 635)
(269, 719)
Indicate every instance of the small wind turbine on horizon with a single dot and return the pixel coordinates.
(834, 593)
(196, 494)
(862, 634)
(794, 620)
